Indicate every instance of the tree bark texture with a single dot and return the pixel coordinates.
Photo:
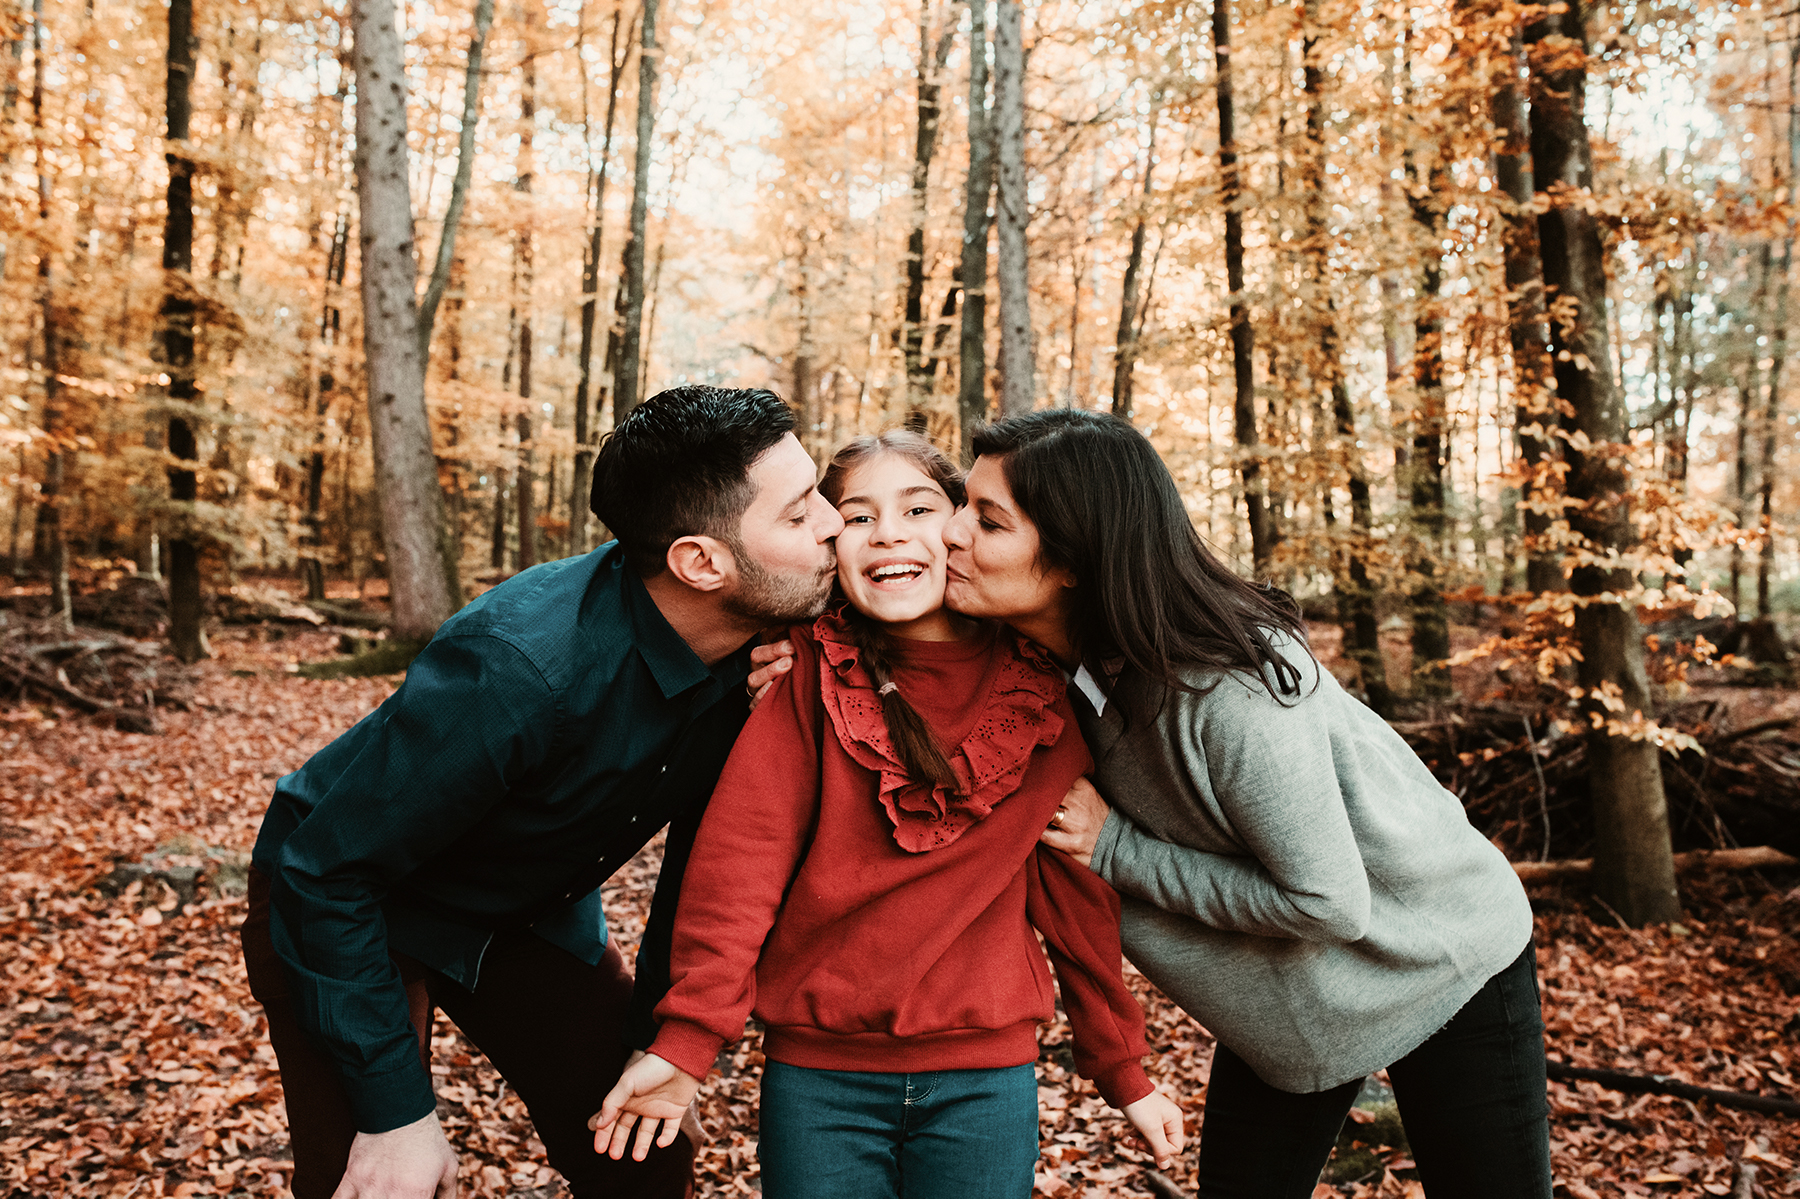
(524, 485)
(465, 171)
(1355, 592)
(1527, 324)
(1018, 386)
(583, 474)
(626, 384)
(931, 68)
(1243, 338)
(1125, 351)
(972, 401)
(1633, 865)
(420, 561)
(176, 337)
(1425, 465)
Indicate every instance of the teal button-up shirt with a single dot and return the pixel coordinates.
(546, 733)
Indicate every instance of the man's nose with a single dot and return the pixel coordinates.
(831, 523)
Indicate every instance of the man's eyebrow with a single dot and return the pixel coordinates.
(799, 499)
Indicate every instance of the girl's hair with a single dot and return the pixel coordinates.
(1146, 588)
(919, 750)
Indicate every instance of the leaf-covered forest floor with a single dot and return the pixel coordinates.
(135, 1062)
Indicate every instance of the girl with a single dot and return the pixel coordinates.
(1294, 876)
(867, 880)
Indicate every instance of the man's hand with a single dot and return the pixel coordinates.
(410, 1162)
(651, 1094)
(1075, 829)
(771, 662)
(1158, 1121)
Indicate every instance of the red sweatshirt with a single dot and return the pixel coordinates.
(876, 924)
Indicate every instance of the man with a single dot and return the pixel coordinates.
(448, 850)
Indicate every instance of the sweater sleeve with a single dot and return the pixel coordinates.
(1272, 772)
(1078, 914)
(749, 845)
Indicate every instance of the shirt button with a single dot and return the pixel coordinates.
(633, 820)
(664, 770)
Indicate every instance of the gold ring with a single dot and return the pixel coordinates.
(1058, 818)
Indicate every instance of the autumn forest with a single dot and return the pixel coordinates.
(1467, 322)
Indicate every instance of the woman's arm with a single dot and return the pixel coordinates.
(1273, 775)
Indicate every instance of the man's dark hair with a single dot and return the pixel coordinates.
(679, 465)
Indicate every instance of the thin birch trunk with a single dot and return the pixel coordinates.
(1018, 388)
(1125, 353)
(420, 557)
(972, 401)
(925, 137)
(626, 392)
(465, 172)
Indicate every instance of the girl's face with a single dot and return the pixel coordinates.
(891, 552)
(996, 569)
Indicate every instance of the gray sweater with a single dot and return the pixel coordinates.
(1293, 875)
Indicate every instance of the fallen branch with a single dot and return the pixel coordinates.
(1662, 1084)
(1162, 1186)
(1754, 858)
(1761, 726)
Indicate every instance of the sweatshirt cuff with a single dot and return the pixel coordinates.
(1123, 1083)
(687, 1047)
(1107, 845)
(384, 1102)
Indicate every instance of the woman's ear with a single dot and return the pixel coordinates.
(703, 563)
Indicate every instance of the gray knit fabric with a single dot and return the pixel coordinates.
(1293, 875)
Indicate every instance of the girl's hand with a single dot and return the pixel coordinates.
(1075, 829)
(1158, 1121)
(651, 1092)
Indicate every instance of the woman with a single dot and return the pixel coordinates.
(1293, 875)
(868, 880)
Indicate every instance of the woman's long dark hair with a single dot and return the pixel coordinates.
(1147, 589)
(918, 749)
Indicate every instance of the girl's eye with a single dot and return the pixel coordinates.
(922, 510)
(858, 519)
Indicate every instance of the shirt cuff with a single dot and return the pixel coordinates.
(384, 1102)
(1106, 845)
(688, 1047)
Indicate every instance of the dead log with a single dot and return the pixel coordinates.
(1662, 1084)
(1755, 858)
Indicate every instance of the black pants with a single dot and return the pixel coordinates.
(548, 1021)
(1472, 1098)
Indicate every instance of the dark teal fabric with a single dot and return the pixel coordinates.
(546, 733)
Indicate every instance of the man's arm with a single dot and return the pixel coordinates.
(473, 716)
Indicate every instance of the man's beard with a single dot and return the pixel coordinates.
(766, 598)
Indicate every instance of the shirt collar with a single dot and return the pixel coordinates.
(673, 665)
(1085, 683)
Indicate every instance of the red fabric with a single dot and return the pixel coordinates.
(802, 903)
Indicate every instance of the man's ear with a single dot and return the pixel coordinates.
(703, 563)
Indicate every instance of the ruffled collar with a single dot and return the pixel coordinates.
(990, 763)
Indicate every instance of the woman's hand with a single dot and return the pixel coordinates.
(1075, 829)
(1158, 1121)
(771, 662)
(651, 1092)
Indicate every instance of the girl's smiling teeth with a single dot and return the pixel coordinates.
(901, 572)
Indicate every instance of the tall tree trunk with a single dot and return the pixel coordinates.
(583, 473)
(465, 171)
(1634, 869)
(1355, 593)
(1243, 340)
(626, 387)
(421, 562)
(337, 261)
(972, 401)
(1125, 353)
(50, 539)
(524, 485)
(931, 69)
(1527, 325)
(1018, 387)
(176, 336)
(1771, 414)
(1749, 389)
(1425, 464)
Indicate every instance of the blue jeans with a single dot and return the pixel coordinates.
(948, 1134)
(1472, 1098)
